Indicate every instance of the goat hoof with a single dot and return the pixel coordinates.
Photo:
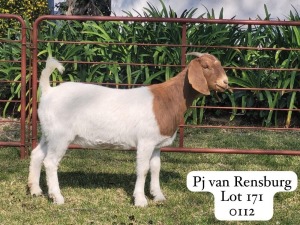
(58, 200)
(141, 202)
(159, 198)
(35, 191)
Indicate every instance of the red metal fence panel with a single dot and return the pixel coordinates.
(22, 100)
(183, 46)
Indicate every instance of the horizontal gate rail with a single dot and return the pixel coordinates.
(183, 46)
(241, 127)
(231, 151)
(22, 142)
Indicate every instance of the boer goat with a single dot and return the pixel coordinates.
(144, 118)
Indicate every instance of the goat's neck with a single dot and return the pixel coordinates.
(171, 99)
(181, 89)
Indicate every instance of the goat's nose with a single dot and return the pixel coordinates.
(225, 81)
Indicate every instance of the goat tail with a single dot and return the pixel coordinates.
(51, 65)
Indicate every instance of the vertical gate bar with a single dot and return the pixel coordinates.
(23, 150)
(34, 84)
(22, 143)
(183, 64)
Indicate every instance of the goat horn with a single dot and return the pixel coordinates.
(198, 54)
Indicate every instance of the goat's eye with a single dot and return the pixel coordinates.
(205, 66)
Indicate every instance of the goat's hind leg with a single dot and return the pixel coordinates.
(155, 189)
(37, 157)
(144, 153)
(56, 150)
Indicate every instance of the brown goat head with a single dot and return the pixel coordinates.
(206, 73)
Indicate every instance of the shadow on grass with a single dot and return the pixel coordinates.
(80, 179)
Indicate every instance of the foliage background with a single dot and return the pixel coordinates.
(114, 56)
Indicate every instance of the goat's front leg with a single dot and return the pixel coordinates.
(155, 189)
(144, 154)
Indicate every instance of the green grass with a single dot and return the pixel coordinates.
(242, 139)
(98, 184)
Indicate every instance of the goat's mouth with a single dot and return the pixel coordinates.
(221, 88)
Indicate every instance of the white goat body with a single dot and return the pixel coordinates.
(144, 118)
(118, 118)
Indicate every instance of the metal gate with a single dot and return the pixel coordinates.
(21, 143)
(183, 45)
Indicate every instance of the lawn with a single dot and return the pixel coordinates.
(98, 184)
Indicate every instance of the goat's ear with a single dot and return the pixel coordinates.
(196, 77)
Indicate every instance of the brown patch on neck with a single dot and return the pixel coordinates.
(171, 99)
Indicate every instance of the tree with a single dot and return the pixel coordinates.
(27, 9)
(89, 7)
